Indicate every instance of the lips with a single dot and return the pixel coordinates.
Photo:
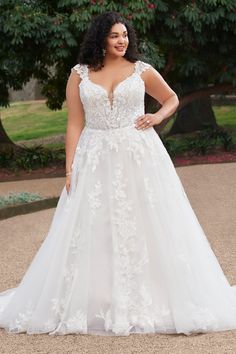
(120, 48)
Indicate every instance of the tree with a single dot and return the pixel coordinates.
(197, 40)
(40, 38)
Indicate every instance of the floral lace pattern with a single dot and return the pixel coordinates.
(150, 192)
(127, 101)
(93, 198)
(131, 300)
(21, 322)
(94, 145)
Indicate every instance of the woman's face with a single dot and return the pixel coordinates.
(117, 40)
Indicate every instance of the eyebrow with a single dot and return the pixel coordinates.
(118, 32)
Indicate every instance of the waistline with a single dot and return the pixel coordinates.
(113, 129)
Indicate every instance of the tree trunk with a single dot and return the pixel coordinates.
(5, 141)
(194, 116)
(152, 106)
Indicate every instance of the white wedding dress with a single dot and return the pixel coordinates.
(125, 252)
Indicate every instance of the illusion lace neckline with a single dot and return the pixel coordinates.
(112, 93)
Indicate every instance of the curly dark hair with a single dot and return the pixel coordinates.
(95, 40)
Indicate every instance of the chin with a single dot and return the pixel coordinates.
(119, 54)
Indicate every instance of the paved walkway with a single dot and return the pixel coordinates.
(212, 193)
(46, 187)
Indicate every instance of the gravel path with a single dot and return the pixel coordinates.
(211, 191)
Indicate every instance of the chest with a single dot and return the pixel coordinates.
(129, 92)
(110, 79)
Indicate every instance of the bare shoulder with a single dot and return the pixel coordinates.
(147, 71)
(76, 76)
(78, 72)
(155, 84)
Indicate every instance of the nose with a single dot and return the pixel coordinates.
(121, 40)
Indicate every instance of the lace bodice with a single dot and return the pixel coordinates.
(127, 103)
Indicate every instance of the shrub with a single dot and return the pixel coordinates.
(18, 198)
(29, 158)
(204, 141)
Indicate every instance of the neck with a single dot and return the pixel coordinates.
(113, 60)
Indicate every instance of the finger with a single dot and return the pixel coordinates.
(140, 123)
(143, 119)
(140, 118)
(145, 125)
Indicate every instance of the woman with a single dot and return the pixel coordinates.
(125, 252)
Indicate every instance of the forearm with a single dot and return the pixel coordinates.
(72, 138)
(168, 108)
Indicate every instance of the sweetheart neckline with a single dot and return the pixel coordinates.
(112, 92)
(119, 83)
(111, 104)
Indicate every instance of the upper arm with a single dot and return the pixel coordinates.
(156, 86)
(73, 101)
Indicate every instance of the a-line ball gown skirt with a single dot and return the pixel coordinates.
(125, 252)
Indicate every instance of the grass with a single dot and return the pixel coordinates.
(26, 121)
(32, 120)
(226, 116)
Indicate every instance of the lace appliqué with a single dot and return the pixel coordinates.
(95, 146)
(131, 300)
(78, 243)
(150, 192)
(128, 99)
(142, 66)
(81, 69)
(59, 305)
(93, 198)
(20, 324)
(203, 319)
(157, 318)
(75, 324)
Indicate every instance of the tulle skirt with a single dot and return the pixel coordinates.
(125, 252)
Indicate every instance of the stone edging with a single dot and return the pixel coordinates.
(26, 208)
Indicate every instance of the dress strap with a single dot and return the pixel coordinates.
(81, 69)
(141, 66)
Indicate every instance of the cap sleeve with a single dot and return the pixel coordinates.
(142, 66)
(81, 70)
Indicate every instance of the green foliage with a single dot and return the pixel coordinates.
(201, 143)
(192, 39)
(200, 35)
(31, 158)
(41, 39)
(18, 198)
(152, 53)
(173, 146)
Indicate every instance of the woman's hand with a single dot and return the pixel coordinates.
(147, 120)
(68, 183)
